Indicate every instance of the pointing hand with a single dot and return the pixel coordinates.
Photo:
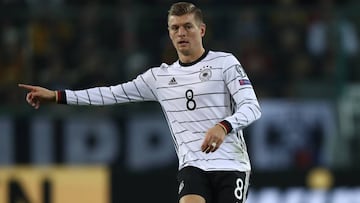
(37, 95)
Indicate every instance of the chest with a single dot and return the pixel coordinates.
(182, 82)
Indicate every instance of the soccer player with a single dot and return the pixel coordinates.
(207, 100)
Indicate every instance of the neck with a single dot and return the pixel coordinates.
(188, 58)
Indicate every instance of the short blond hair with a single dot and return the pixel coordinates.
(182, 8)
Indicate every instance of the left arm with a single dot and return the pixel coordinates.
(244, 101)
(246, 105)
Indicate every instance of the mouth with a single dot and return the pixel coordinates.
(183, 42)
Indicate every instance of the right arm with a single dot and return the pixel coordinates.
(139, 89)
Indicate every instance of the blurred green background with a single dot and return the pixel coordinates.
(302, 57)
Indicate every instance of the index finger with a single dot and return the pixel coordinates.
(28, 87)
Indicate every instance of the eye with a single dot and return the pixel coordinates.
(188, 26)
(174, 28)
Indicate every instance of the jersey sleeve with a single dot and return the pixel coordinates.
(139, 89)
(246, 108)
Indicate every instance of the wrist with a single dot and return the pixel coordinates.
(222, 127)
(56, 96)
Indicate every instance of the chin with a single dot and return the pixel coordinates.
(184, 51)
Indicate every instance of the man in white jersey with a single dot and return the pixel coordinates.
(207, 99)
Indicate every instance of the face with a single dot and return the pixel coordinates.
(186, 34)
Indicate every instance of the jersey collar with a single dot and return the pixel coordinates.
(196, 61)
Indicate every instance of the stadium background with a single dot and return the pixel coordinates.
(302, 57)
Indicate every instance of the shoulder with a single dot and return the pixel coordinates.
(156, 70)
(164, 67)
(224, 58)
(220, 55)
(161, 67)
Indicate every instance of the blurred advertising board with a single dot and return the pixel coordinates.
(54, 184)
(294, 135)
(137, 142)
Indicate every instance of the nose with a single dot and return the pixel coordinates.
(182, 31)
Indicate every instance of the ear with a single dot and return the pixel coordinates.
(202, 29)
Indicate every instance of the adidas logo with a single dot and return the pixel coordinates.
(172, 81)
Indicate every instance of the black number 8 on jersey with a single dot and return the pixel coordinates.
(190, 103)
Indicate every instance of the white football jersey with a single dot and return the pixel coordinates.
(194, 97)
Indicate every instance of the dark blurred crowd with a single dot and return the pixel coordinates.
(289, 48)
